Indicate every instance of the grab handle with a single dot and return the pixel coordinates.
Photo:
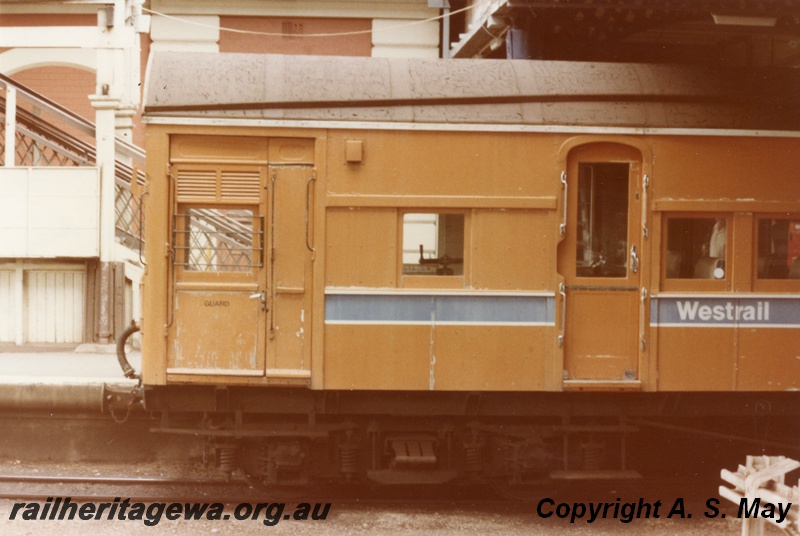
(308, 209)
(562, 289)
(562, 229)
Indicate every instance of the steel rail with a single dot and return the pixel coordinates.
(139, 489)
(111, 480)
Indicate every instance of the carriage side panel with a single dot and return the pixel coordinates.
(738, 329)
(482, 317)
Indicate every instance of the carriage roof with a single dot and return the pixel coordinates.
(352, 90)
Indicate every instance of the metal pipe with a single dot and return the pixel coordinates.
(127, 369)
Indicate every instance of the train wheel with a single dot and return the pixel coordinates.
(269, 463)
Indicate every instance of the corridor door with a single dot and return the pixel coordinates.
(600, 260)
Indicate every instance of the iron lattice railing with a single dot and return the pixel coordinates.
(47, 135)
(218, 240)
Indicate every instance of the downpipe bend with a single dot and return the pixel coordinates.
(127, 369)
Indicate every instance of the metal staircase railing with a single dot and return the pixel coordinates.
(47, 134)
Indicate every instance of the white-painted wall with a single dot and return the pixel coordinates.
(190, 34)
(19, 59)
(7, 306)
(54, 305)
(49, 212)
(42, 302)
(393, 38)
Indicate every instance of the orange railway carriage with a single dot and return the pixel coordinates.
(416, 265)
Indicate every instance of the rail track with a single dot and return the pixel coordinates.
(355, 508)
(237, 490)
(143, 489)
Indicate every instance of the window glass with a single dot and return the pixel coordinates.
(778, 248)
(602, 244)
(218, 240)
(696, 248)
(433, 244)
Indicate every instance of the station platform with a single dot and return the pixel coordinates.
(60, 378)
(51, 409)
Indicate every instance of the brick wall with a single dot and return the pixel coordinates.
(68, 86)
(350, 45)
(41, 19)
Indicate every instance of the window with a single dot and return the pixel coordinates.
(602, 245)
(433, 244)
(778, 248)
(218, 240)
(696, 248)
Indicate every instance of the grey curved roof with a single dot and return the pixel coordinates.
(258, 86)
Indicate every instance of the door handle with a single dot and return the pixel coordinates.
(634, 260)
(262, 298)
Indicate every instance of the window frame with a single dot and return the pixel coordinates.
(678, 284)
(433, 280)
(631, 233)
(180, 246)
(763, 284)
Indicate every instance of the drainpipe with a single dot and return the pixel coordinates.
(446, 31)
(126, 367)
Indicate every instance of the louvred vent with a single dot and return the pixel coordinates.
(239, 184)
(218, 185)
(197, 184)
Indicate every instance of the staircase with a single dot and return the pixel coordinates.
(47, 134)
(50, 233)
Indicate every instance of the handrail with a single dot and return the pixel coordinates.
(71, 150)
(63, 142)
(69, 117)
(48, 143)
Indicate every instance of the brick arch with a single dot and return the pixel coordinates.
(69, 86)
